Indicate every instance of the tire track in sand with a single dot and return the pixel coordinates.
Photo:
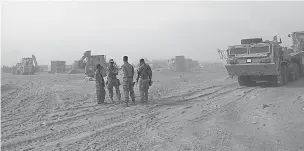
(221, 136)
(215, 91)
(126, 144)
(227, 105)
(129, 137)
(79, 130)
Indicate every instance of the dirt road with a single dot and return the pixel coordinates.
(190, 111)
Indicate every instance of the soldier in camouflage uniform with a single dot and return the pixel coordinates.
(100, 84)
(112, 80)
(128, 74)
(144, 72)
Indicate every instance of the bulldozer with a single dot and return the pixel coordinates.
(89, 62)
(27, 66)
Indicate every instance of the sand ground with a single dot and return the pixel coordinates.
(200, 110)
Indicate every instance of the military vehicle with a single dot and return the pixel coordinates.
(255, 60)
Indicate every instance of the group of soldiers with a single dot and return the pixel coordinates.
(144, 77)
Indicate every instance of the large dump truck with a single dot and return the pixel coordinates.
(255, 60)
(27, 66)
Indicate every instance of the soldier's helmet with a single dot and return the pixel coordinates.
(111, 61)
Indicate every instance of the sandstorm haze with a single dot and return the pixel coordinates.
(154, 30)
(188, 108)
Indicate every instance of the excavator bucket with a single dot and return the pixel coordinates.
(36, 67)
(222, 53)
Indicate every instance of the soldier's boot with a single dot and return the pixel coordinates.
(133, 97)
(141, 97)
(142, 100)
(100, 102)
(119, 99)
(146, 96)
(112, 100)
(118, 94)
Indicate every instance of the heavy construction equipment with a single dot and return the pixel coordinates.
(77, 67)
(255, 60)
(89, 63)
(16, 69)
(297, 41)
(27, 66)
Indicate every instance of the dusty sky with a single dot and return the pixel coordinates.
(156, 30)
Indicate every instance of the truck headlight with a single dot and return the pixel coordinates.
(265, 60)
(231, 60)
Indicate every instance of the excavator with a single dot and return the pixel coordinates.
(297, 41)
(89, 62)
(27, 66)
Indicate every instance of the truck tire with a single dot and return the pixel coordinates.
(241, 81)
(297, 71)
(302, 70)
(245, 81)
(286, 74)
(282, 78)
(251, 40)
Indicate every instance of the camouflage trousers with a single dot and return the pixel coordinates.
(128, 89)
(113, 83)
(143, 89)
(100, 92)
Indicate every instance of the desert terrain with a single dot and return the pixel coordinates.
(198, 110)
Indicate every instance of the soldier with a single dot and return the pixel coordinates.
(128, 74)
(100, 84)
(112, 80)
(144, 72)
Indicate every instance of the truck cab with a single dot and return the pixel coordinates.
(254, 59)
(250, 53)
